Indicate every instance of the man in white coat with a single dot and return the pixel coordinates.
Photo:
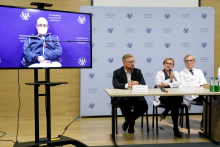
(192, 76)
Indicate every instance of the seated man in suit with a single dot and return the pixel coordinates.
(124, 78)
(191, 75)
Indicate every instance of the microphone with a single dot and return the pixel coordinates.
(67, 41)
(44, 45)
(43, 38)
(173, 76)
(163, 90)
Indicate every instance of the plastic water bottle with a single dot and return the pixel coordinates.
(212, 85)
(216, 85)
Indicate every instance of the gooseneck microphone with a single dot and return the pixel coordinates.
(44, 45)
(173, 76)
(163, 90)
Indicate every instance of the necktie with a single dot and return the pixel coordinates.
(191, 71)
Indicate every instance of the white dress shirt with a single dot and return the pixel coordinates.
(197, 79)
(128, 75)
(160, 77)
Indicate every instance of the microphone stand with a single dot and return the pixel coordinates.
(67, 41)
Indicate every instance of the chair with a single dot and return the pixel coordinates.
(181, 116)
(184, 106)
(132, 107)
(196, 103)
(27, 63)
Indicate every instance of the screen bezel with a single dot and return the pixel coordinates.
(76, 41)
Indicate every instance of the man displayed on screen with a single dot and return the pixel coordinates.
(124, 78)
(42, 50)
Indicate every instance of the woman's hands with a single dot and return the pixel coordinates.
(163, 85)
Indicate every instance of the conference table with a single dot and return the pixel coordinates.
(209, 96)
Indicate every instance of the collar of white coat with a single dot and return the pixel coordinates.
(186, 69)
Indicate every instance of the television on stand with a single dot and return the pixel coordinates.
(44, 39)
(67, 41)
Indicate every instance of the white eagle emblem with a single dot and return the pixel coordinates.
(81, 19)
(25, 15)
(23, 61)
(82, 61)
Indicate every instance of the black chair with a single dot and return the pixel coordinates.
(186, 111)
(27, 63)
(181, 115)
(184, 106)
(132, 107)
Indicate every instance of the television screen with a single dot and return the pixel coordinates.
(33, 38)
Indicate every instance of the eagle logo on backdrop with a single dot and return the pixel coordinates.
(129, 45)
(81, 19)
(129, 15)
(185, 30)
(167, 45)
(91, 75)
(82, 61)
(167, 16)
(110, 30)
(91, 105)
(148, 30)
(204, 44)
(25, 15)
(23, 61)
(110, 60)
(205, 73)
(93, 45)
(204, 15)
(148, 60)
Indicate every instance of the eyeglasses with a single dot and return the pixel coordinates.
(131, 62)
(168, 63)
(189, 60)
(42, 25)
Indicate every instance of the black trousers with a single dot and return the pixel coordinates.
(172, 103)
(125, 104)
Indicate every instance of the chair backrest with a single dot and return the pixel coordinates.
(155, 97)
(26, 63)
(196, 103)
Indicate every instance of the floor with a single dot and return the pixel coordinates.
(96, 131)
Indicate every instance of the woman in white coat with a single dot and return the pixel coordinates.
(167, 78)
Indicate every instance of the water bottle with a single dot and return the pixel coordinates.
(216, 85)
(211, 87)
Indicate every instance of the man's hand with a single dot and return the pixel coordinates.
(163, 85)
(41, 59)
(129, 85)
(135, 82)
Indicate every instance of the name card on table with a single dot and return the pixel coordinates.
(186, 88)
(139, 88)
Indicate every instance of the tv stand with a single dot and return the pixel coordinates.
(58, 141)
(41, 5)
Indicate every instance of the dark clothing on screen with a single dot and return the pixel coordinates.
(125, 103)
(33, 47)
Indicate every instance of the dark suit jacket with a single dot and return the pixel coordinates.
(120, 78)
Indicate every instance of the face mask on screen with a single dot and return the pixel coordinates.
(42, 30)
